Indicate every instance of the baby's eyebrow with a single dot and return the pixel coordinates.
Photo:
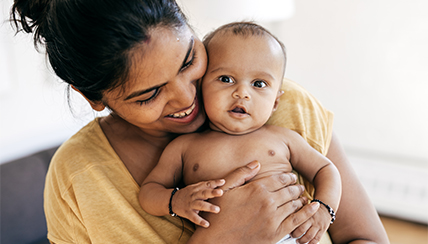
(217, 70)
(270, 76)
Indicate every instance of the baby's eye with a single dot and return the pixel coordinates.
(259, 84)
(225, 79)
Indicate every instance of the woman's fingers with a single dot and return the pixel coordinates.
(279, 181)
(292, 206)
(240, 175)
(302, 229)
(296, 219)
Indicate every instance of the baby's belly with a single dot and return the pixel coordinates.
(273, 169)
(211, 172)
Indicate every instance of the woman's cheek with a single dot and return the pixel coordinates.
(143, 115)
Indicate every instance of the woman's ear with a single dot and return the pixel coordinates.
(97, 106)
(275, 105)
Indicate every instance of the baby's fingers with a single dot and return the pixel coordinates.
(198, 220)
(204, 207)
(213, 183)
(208, 190)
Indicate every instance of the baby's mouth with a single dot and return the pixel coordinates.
(239, 110)
(183, 113)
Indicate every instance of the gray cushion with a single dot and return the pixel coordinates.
(22, 182)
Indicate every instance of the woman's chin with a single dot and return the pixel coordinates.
(191, 127)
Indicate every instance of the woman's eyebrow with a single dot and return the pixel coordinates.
(189, 50)
(139, 93)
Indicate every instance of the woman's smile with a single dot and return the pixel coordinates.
(187, 115)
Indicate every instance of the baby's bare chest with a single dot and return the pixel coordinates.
(215, 156)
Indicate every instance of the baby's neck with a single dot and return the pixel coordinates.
(215, 128)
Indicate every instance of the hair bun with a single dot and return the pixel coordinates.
(30, 16)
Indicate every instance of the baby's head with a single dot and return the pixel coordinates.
(241, 87)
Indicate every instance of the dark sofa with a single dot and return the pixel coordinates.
(21, 202)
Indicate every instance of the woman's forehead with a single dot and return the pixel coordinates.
(158, 59)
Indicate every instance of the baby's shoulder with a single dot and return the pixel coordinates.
(276, 129)
(283, 133)
(189, 138)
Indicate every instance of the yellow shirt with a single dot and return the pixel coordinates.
(90, 196)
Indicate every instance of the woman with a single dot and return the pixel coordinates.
(141, 60)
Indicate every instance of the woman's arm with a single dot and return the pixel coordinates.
(262, 211)
(357, 220)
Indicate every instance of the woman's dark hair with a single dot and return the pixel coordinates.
(89, 42)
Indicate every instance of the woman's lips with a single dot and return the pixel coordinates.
(187, 115)
(183, 113)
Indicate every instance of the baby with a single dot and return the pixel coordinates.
(241, 89)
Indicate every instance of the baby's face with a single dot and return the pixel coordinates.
(242, 81)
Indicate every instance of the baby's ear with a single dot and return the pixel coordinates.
(97, 106)
(278, 97)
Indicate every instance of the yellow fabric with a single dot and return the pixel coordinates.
(90, 197)
(300, 111)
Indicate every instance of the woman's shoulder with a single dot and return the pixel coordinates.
(300, 111)
(296, 95)
(87, 148)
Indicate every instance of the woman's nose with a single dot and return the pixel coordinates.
(183, 94)
(241, 92)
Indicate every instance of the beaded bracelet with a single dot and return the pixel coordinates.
(170, 200)
(330, 210)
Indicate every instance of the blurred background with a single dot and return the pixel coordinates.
(367, 61)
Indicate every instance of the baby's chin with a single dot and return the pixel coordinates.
(232, 131)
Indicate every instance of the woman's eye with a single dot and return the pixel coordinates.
(225, 79)
(188, 64)
(154, 94)
(259, 84)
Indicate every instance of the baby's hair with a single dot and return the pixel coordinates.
(245, 29)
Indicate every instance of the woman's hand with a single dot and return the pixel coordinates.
(189, 201)
(261, 211)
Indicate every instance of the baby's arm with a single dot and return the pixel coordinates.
(156, 191)
(325, 177)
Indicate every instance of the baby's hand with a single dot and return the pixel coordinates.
(314, 228)
(187, 202)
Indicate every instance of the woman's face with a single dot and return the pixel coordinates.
(161, 94)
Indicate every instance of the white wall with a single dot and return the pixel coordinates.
(34, 112)
(368, 62)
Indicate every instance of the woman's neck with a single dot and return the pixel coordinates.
(138, 150)
(126, 131)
